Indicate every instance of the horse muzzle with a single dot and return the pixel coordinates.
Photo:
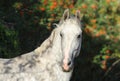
(67, 66)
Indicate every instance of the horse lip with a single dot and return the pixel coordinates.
(66, 70)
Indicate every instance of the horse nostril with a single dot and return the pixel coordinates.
(69, 62)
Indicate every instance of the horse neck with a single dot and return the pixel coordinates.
(51, 46)
(56, 49)
(56, 44)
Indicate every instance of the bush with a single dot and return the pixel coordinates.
(9, 43)
(34, 21)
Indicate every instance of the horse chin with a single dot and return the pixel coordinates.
(66, 70)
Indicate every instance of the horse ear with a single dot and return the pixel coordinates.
(77, 15)
(65, 16)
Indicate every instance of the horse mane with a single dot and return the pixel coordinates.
(48, 43)
(71, 19)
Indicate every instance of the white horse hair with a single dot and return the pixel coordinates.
(53, 60)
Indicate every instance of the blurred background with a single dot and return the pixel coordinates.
(25, 24)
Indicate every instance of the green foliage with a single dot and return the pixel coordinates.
(32, 22)
(9, 44)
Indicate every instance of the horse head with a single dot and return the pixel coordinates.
(71, 37)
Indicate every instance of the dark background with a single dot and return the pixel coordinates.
(25, 24)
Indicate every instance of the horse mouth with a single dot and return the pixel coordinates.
(66, 68)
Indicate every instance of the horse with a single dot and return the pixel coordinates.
(53, 60)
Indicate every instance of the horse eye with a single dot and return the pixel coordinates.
(60, 34)
(79, 36)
